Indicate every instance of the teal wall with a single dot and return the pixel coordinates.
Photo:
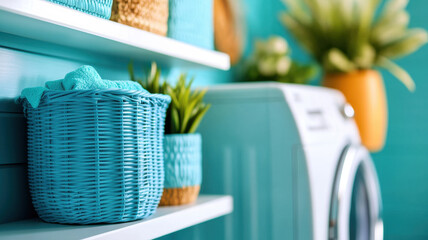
(403, 164)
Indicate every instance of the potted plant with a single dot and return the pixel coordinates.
(271, 61)
(182, 146)
(348, 39)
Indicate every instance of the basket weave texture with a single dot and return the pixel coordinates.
(148, 15)
(96, 156)
(99, 8)
(191, 21)
(183, 168)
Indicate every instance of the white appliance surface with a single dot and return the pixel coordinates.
(324, 131)
(292, 139)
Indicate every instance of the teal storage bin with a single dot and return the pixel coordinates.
(96, 156)
(192, 22)
(99, 8)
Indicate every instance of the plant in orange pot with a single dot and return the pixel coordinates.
(349, 40)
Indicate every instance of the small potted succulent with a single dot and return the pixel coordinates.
(349, 39)
(182, 146)
(271, 61)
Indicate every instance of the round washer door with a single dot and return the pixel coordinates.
(356, 204)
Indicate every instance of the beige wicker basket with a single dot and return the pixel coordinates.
(179, 196)
(148, 15)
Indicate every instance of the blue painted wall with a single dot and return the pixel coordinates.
(402, 165)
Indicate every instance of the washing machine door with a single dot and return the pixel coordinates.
(356, 204)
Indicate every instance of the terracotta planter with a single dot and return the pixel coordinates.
(365, 91)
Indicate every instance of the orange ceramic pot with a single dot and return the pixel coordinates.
(365, 91)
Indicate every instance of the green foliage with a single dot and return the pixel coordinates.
(152, 81)
(346, 35)
(186, 109)
(271, 61)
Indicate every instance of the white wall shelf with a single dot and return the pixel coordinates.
(166, 220)
(52, 23)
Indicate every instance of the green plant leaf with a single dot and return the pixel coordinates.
(300, 32)
(365, 57)
(175, 120)
(131, 71)
(393, 6)
(336, 61)
(186, 108)
(189, 85)
(174, 100)
(186, 111)
(185, 105)
(411, 42)
(364, 16)
(391, 29)
(155, 82)
(188, 114)
(194, 122)
(345, 35)
(398, 72)
(297, 9)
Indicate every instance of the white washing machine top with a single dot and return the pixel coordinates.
(253, 120)
(321, 114)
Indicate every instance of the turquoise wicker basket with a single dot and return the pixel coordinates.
(96, 156)
(99, 8)
(192, 22)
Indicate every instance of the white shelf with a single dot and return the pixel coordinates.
(166, 220)
(53, 23)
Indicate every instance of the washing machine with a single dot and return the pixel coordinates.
(290, 155)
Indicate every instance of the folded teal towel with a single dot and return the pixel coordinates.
(83, 78)
(54, 85)
(33, 95)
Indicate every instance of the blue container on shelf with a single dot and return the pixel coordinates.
(192, 22)
(99, 8)
(183, 168)
(183, 160)
(96, 156)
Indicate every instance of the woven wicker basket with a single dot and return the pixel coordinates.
(96, 156)
(148, 15)
(183, 170)
(99, 8)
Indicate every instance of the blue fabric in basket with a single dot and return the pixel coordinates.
(182, 160)
(192, 22)
(99, 8)
(84, 78)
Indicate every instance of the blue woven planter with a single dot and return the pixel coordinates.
(96, 156)
(183, 168)
(182, 158)
(191, 21)
(99, 8)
